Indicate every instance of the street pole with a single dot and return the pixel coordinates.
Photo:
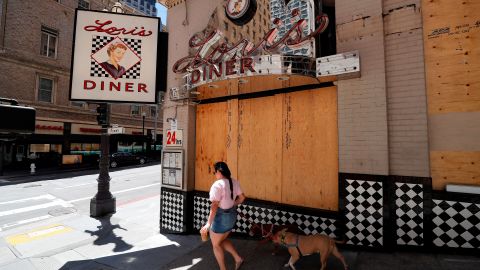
(143, 132)
(103, 203)
(2, 143)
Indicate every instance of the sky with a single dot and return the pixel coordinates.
(162, 13)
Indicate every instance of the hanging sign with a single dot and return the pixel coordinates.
(114, 57)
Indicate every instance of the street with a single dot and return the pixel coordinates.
(30, 202)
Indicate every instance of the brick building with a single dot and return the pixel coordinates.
(384, 154)
(35, 55)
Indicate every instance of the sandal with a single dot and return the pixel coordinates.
(238, 265)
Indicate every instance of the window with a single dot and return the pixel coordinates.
(49, 42)
(135, 109)
(45, 89)
(84, 4)
(153, 111)
(78, 104)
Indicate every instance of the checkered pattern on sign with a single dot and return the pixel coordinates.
(97, 71)
(99, 42)
(135, 45)
(172, 211)
(409, 214)
(456, 224)
(364, 206)
(247, 213)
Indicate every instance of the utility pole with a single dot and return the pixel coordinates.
(103, 203)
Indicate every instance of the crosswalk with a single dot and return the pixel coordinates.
(23, 211)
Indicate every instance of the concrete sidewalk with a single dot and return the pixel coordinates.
(260, 257)
(130, 239)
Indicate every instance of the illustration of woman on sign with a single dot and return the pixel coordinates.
(112, 65)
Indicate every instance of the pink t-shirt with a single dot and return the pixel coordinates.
(220, 191)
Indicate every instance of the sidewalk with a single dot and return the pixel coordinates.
(129, 239)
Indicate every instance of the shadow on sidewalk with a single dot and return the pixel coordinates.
(146, 259)
(106, 235)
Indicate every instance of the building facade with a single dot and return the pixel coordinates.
(146, 7)
(384, 154)
(35, 57)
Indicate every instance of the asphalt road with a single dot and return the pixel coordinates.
(33, 201)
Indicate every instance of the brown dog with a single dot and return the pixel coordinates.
(267, 231)
(299, 245)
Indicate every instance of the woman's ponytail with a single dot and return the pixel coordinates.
(222, 167)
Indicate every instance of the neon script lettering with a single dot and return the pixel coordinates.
(101, 27)
(244, 48)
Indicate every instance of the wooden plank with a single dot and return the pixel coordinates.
(260, 147)
(232, 136)
(452, 55)
(211, 142)
(253, 84)
(454, 168)
(310, 149)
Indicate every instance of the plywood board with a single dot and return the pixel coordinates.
(253, 84)
(310, 149)
(452, 55)
(260, 147)
(211, 142)
(461, 168)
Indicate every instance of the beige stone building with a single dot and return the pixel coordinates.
(35, 57)
(387, 159)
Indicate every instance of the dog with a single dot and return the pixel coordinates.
(299, 245)
(267, 231)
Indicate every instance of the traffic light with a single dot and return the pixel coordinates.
(103, 114)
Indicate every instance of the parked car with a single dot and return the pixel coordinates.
(121, 158)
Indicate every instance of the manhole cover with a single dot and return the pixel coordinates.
(62, 211)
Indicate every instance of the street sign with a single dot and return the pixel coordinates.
(116, 130)
(174, 137)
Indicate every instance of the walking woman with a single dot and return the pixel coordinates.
(225, 195)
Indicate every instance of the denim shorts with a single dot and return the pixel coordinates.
(225, 220)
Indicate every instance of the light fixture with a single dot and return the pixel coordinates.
(213, 86)
(284, 78)
(242, 81)
(117, 7)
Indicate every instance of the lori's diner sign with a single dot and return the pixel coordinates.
(114, 57)
(214, 59)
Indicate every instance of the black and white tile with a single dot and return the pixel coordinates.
(364, 213)
(456, 224)
(172, 211)
(409, 214)
(310, 224)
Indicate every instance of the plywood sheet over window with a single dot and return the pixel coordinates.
(260, 147)
(310, 150)
(282, 148)
(452, 55)
(211, 141)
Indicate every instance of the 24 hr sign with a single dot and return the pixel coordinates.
(174, 138)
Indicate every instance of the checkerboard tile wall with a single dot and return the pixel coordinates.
(310, 224)
(172, 211)
(364, 213)
(409, 214)
(456, 224)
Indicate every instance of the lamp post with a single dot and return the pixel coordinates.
(103, 203)
(143, 132)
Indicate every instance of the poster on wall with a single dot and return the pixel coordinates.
(114, 57)
(172, 168)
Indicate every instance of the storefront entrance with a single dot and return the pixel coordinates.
(283, 148)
